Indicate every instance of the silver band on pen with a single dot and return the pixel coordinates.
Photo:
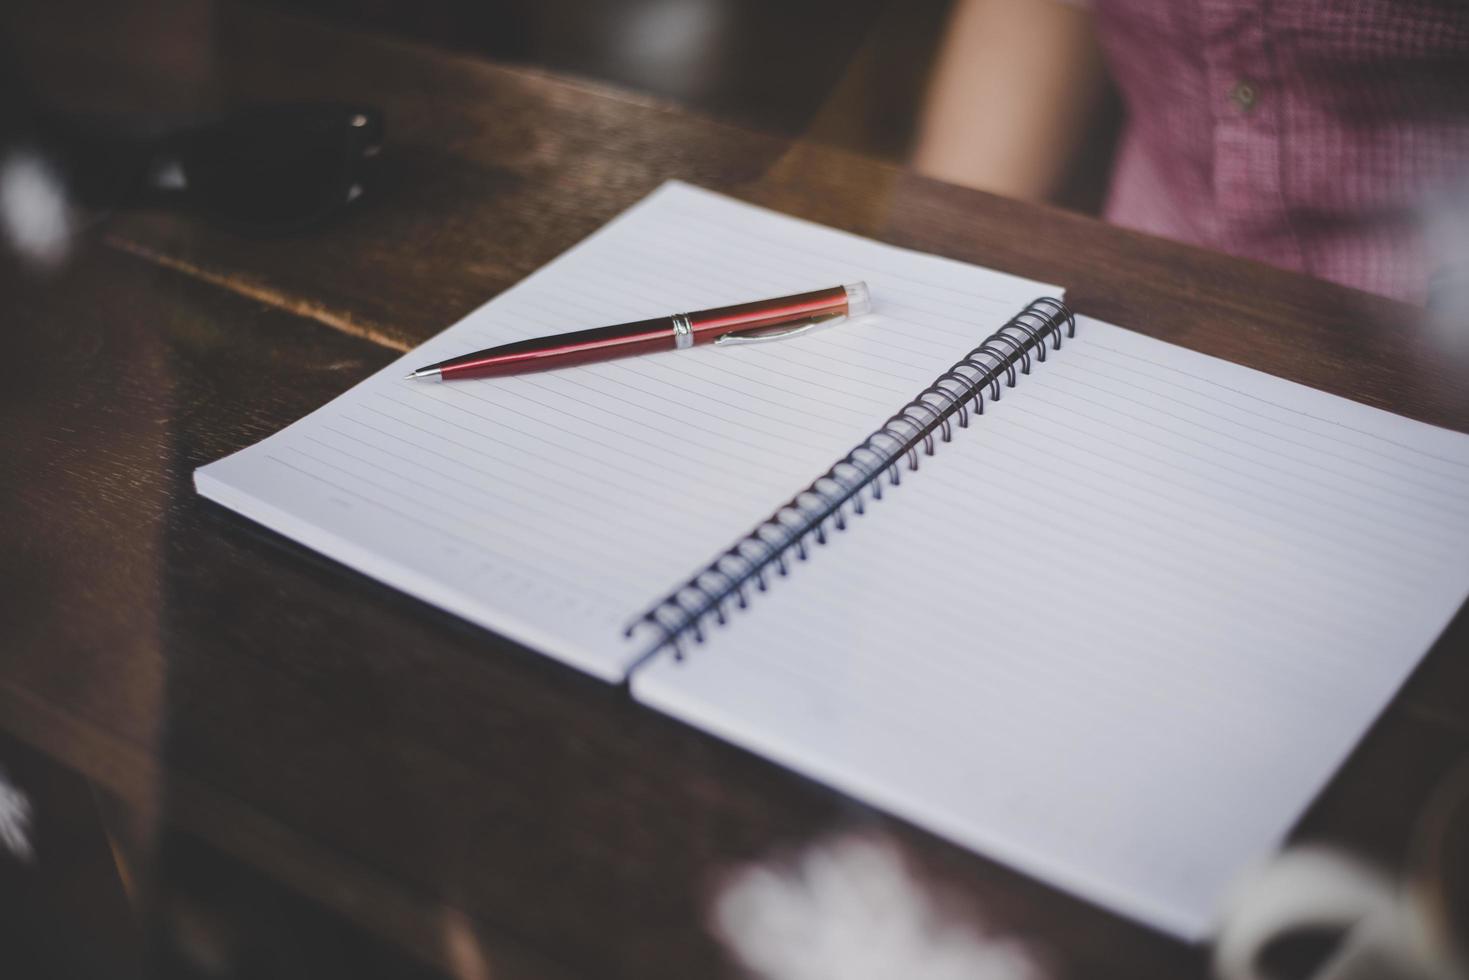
(683, 331)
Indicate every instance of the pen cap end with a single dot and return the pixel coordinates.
(859, 300)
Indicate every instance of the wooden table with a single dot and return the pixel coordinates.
(444, 791)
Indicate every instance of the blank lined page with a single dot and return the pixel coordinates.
(554, 507)
(1119, 632)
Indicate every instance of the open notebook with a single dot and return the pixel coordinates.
(1117, 630)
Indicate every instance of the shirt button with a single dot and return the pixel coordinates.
(1244, 95)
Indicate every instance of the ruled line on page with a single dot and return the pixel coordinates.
(1327, 421)
(1091, 487)
(552, 498)
(635, 481)
(569, 449)
(1213, 562)
(1160, 528)
(412, 515)
(554, 528)
(723, 466)
(1376, 525)
(1067, 383)
(1284, 419)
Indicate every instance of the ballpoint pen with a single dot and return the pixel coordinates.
(767, 319)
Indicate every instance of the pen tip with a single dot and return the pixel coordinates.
(427, 372)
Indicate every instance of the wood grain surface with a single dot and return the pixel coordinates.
(434, 785)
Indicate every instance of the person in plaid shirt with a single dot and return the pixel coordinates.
(1326, 136)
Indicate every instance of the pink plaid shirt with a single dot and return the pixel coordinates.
(1311, 135)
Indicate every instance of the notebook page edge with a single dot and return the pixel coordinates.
(646, 687)
(356, 558)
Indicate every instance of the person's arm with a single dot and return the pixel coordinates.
(1012, 88)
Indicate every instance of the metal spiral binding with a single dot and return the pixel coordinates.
(823, 506)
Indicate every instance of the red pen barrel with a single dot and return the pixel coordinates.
(743, 322)
(564, 350)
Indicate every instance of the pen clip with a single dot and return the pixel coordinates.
(760, 335)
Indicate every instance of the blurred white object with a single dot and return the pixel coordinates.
(851, 910)
(34, 214)
(15, 821)
(1383, 928)
(1446, 231)
(670, 43)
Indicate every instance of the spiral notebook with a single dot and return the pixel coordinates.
(1091, 604)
